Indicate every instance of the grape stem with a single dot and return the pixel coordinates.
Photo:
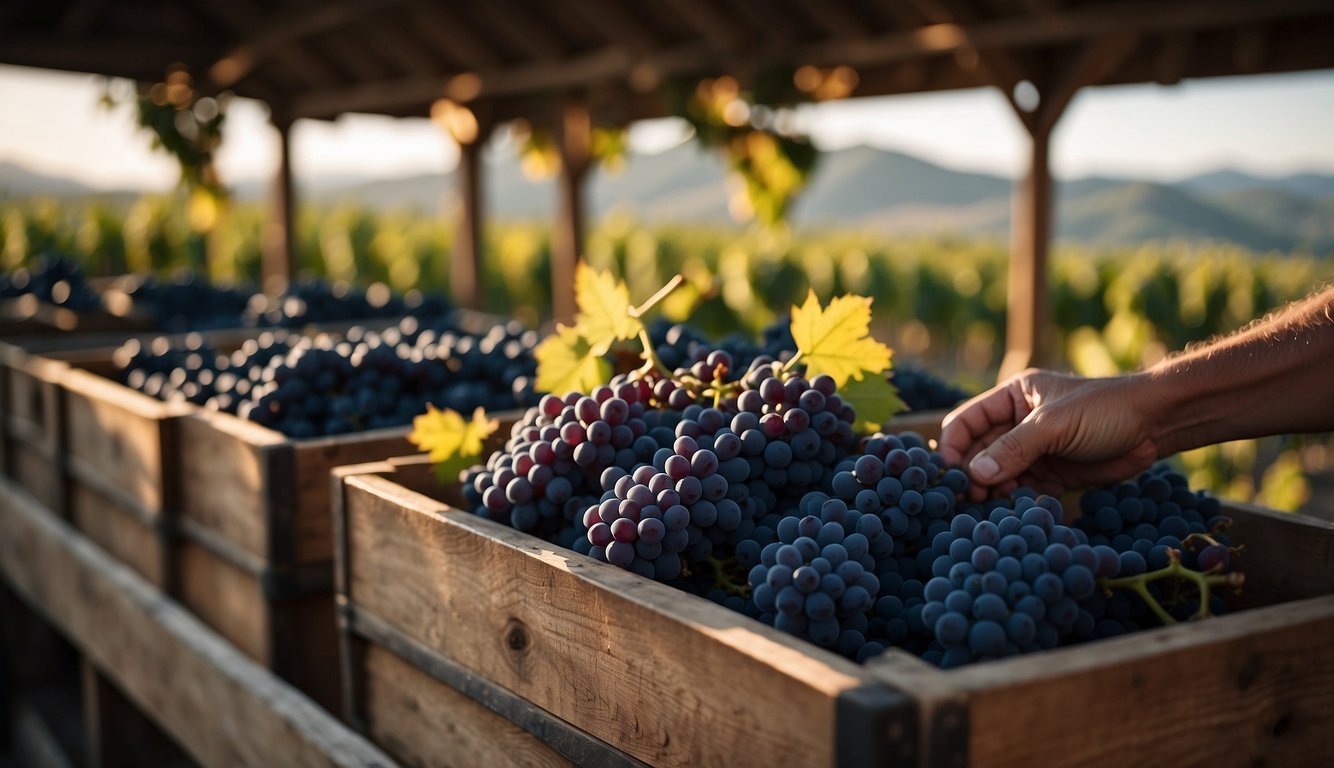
(724, 579)
(642, 309)
(1174, 570)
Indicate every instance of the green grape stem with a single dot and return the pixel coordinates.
(724, 579)
(1174, 570)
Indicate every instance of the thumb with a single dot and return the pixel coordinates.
(1011, 454)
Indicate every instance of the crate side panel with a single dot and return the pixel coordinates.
(120, 532)
(312, 526)
(223, 596)
(222, 482)
(666, 677)
(116, 434)
(1252, 688)
(423, 722)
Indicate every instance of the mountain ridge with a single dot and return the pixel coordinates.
(860, 188)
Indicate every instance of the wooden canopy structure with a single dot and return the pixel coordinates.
(571, 64)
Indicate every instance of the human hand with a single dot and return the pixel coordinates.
(1053, 432)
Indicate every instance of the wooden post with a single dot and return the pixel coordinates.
(1030, 234)
(465, 265)
(575, 141)
(1056, 82)
(278, 240)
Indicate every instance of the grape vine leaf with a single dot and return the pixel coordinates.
(836, 340)
(453, 444)
(604, 309)
(568, 362)
(875, 398)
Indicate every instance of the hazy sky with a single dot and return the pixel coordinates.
(51, 122)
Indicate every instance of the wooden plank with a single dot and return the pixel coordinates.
(1285, 556)
(118, 734)
(221, 706)
(424, 722)
(666, 677)
(312, 530)
(118, 438)
(224, 476)
(124, 535)
(225, 597)
(1247, 689)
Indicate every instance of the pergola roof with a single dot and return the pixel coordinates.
(319, 58)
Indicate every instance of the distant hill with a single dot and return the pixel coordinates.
(860, 188)
(17, 181)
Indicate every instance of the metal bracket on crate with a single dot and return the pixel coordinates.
(577, 746)
(876, 726)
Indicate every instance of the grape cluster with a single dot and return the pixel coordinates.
(1010, 581)
(54, 279)
(555, 461)
(327, 385)
(1144, 520)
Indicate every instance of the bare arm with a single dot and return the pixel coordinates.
(1056, 432)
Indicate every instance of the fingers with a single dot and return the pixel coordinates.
(1011, 454)
(964, 427)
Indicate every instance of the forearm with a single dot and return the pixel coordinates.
(1274, 377)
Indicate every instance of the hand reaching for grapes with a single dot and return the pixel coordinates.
(1057, 432)
(1052, 432)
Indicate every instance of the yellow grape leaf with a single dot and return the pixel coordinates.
(604, 309)
(566, 362)
(836, 340)
(875, 399)
(453, 444)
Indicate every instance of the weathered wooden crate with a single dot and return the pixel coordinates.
(31, 435)
(229, 517)
(526, 648)
(197, 689)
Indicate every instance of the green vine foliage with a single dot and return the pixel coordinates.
(186, 124)
(769, 163)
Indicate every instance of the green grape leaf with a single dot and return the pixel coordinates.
(453, 444)
(875, 398)
(604, 309)
(567, 362)
(836, 340)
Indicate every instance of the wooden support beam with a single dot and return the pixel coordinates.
(575, 141)
(711, 23)
(1174, 54)
(1030, 231)
(402, 49)
(465, 262)
(834, 18)
(240, 62)
(81, 16)
(138, 58)
(513, 22)
(455, 38)
(616, 22)
(279, 241)
(1031, 224)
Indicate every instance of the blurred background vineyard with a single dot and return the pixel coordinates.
(939, 300)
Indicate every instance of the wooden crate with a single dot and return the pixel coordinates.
(220, 706)
(446, 615)
(31, 434)
(229, 517)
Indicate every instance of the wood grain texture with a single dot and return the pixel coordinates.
(118, 734)
(224, 709)
(117, 436)
(1285, 556)
(666, 677)
(1252, 688)
(226, 598)
(223, 476)
(924, 423)
(423, 722)
(312, 525)
(121, 533)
